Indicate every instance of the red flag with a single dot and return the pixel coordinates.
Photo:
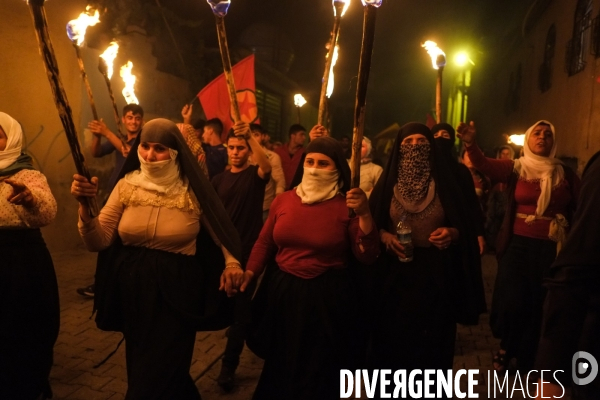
(215, 96)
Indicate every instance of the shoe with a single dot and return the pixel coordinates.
(87, 291)
(226, 378)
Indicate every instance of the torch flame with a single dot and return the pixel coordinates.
(76, 28)
(299, 100)
(519, 140)
(374, 3)
(438, 57)
(331, 79)
(109, 56)
(346, 4)
(129, 80)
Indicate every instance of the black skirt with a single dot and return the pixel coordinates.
(414, 317)
(157, 298)
(29, 314)
(309, 327)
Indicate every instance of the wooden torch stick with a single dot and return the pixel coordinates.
(364, 67)
(86, 82)
(322, 116)
(438, 96)
(104, 71)
(38, 14)
(224, 47)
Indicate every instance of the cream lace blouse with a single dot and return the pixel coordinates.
(147, 218)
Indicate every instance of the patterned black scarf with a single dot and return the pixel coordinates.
(414, 171)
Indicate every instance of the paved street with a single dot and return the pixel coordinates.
(81, 345)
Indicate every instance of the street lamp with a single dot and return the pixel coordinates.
(463, 60)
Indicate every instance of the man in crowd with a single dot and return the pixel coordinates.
(242, 191)
(291, 152)
(132, 121)
(276, 184)
(216, 153)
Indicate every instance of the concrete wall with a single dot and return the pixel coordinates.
(25, 94)
(571, 104)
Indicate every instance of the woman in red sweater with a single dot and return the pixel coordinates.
(311, 303)
(542, 193)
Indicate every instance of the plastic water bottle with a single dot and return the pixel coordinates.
(404, 233)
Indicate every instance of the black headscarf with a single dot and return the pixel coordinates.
(468, 284)
(163, 131)
(445, 145)
(332, 149)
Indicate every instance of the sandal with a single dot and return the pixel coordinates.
(499, 361)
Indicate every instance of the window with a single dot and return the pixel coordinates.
(269, 112)
(545, 78)
(577, 46)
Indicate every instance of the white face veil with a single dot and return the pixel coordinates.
(14, 135)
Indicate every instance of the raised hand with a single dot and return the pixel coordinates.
(317, 131)
(466, 133)
(81, 188)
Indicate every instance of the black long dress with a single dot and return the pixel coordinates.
(418, 304)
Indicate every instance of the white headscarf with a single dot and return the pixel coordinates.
(318, 185)
(548, 170)
(160, 176)
(14, 135)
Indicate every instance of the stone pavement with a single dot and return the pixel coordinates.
(80, 345)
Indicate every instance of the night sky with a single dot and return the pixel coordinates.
(402, 83)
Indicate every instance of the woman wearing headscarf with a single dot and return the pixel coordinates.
(418, 303)
(158, 272)
(445, 136)
(542, 194)
(29, 310)
(369, 172)
(311, 322)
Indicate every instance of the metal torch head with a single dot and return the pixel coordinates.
(219, 7)
(374, 3)
(340, 7)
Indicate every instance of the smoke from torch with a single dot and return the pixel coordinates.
(76, 28)
(129, 80)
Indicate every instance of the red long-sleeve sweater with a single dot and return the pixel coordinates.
(563, 196)
(309, 239)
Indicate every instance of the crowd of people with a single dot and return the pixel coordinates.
(202, 229)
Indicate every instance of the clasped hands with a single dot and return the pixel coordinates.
(441, 238)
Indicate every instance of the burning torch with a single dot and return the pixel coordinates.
(366, 51)
(38, 13)
(299, 101)
(438, 59)
(106, 68)
(76, 33)
(339, 9)
(129, 81)
(219, 8)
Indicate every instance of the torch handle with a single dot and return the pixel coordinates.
(114, 104)
(364, 67)
(60, 97)
(86, 82)
(438, 95)
(224, 47)
(322, 116)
